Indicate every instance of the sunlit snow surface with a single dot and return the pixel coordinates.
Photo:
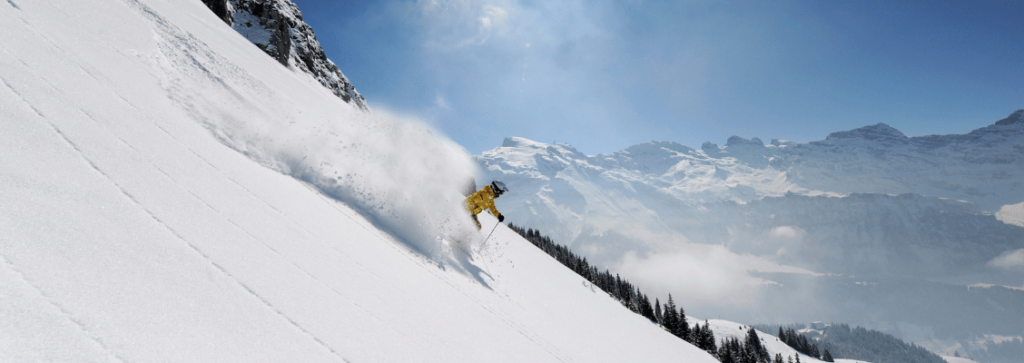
(172, 194)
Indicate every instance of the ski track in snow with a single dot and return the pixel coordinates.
(292, 263)
(195, 248)
(135, 201)
(64, 312)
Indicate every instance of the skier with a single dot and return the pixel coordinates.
(484, 199)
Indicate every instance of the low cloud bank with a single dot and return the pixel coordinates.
(701, 275)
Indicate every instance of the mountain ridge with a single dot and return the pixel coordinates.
(277, 28)
(869, 202)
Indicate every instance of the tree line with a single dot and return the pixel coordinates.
(802, 344)
(669, 317)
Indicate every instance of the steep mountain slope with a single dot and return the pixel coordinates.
(172, 194)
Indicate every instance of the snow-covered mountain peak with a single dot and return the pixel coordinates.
(1014, 118)
(655, 157)
(879, 131)
(659, 147)
(524, 143)
(736, 141)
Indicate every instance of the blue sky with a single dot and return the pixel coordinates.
(603, 75)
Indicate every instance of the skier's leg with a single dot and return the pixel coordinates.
(478, 226)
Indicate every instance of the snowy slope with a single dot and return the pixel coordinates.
(173, 194)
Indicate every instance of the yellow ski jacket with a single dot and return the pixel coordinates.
(482, 199)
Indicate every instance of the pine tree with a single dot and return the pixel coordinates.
(671, 317)
(827, 356)
(645, 307)
(754, 345)
(684, 326)
(778, 356)
(657, 312)
(724, 355)
(707, 339)
(749, 355)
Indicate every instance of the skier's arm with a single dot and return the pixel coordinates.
(494, 212)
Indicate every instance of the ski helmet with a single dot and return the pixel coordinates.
(498, 188)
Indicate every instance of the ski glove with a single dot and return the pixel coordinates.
(501, 218)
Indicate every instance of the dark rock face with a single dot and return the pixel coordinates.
(219, 7)
(277, 28)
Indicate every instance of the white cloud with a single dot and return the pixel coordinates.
(1011, 260)
(787, 232)
(1012, 214)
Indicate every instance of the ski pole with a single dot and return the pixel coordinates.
(489, 234)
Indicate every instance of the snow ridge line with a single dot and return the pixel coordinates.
(419, 261)
(64, 312)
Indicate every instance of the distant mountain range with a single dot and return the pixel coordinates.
(666, 188)
(869, 203)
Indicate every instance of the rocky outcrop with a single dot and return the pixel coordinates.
(276, 27)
